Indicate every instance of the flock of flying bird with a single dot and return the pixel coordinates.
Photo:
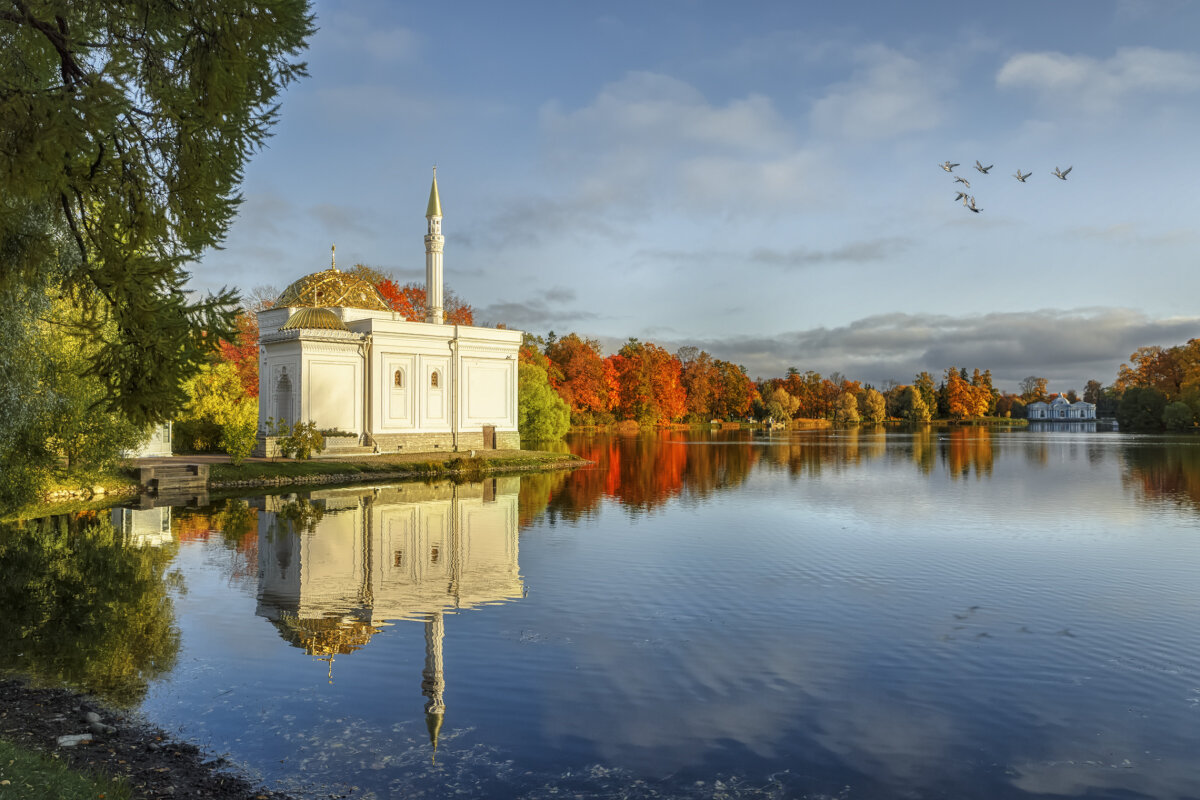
(969, 200)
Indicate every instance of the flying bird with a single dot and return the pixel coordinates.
(961, 179)
(1062, 176)
(948, 166)
(1021, 177)
(960, 196)
(972, 205)
(982, 168)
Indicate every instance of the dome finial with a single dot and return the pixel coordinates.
(333, 257)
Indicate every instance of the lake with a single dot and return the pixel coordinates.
(841, 614)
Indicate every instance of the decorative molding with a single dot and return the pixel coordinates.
(313, 335)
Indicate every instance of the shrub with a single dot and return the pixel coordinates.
(303, 440)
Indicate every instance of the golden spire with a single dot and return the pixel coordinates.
(333, 257)
(435, 202)
(433, 722)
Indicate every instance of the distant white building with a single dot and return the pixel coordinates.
(1061, 408)
(157, 444)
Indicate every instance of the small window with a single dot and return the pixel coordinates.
(433, 380)
(398, 379)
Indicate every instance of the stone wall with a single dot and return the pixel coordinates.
(441, 442)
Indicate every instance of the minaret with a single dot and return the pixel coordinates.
(434, 241)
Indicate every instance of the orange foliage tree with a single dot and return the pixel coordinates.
(648, 385)
(734, 392)
(409, 300)
(581, 376)
(699, 377)
(243, 353)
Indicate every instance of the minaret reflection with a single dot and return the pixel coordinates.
(358, 559)
(433, 677)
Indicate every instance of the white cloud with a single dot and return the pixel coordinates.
(890, 94)
(652, 141)
(355, 34)
(1101, 85)
(658, 112)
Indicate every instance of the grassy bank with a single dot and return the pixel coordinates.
(26, 775)
(119, 484)
(389, 466)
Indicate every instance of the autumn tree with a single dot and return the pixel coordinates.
(216, 401)
(242, 352)
(845, 409)
(987, 393)
(874, 408)
(912, 405)
(584, 380)
(734, 391)
(1033, 389)
(925, 385)
(779, 405)
(1091, 392)
(409, 301)
(699, 378)
(648, 386)
(959, 400)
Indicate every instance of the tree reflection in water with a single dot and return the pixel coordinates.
(1165, 470)
(643, 471)
(84, 607)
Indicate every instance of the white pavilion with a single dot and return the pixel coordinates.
(332, 351)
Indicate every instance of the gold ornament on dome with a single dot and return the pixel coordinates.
(332, 288)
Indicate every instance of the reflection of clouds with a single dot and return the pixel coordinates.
(901, 627)
(1122, 767)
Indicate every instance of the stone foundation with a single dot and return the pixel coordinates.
(267, 446)
(441, 442)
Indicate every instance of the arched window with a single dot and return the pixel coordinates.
(433, 380)
(283, 398)
(398, 380)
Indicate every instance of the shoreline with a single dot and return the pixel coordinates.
(153, 763)
(122, 485)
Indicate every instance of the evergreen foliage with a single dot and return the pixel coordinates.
(1178, 416)
(124, 127)
(1141, 409)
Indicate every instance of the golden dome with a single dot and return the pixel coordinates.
(321, 319)
(333, 288)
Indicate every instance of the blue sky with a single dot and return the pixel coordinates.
(759, 180)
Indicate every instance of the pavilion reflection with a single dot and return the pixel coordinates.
(337, 566)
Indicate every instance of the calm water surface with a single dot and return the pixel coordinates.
(935, 614)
